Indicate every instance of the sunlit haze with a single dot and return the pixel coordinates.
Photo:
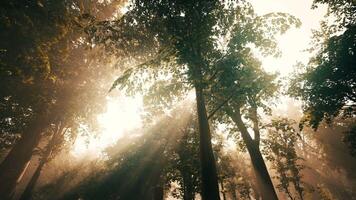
(296, 40)
(122, 115)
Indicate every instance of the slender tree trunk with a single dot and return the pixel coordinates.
(158, 191)
(210, 187)
(188, 192)
(223, 189)
(185, 193)
(15, 162)
(156, 176)
(233, 194)
(256, 192)
(263, 178)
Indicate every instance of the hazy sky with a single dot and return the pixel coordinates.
(295, 40)
(292, 44)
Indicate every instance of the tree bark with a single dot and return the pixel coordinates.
(233, 195)
(223, 189)
(210, 187)
(158, 193)
(188, 191)
(14, 163)
(27, 194)
(156, 179)
(263, 178)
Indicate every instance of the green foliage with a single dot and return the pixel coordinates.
(327, 84)
(183, 162)
(29, 32)
(232, 173)
(46, 68)
(280, 149)
(227, 67)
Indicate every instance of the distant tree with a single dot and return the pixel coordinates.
(183, 162)
(350, 140)
(233, 178)
(280, 148)
(241, 87)
(243, 105)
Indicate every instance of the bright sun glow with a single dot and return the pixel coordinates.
(122, 115)
(295, 41)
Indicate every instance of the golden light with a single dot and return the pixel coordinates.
(122, 115)
(294, 42)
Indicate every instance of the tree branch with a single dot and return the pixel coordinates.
(220, 106)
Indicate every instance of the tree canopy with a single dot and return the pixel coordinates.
(327, 84)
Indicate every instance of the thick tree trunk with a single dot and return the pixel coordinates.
(263, 178)
(15, 162)
(210, 187)
(158, 193)
(27, 194)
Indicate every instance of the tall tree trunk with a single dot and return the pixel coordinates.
(15, 162)
(263, 178)
(223, 189)
(233, 194)
(210, 187)
(158, 193)
(156, 178)
(188, 191)
(27, 194)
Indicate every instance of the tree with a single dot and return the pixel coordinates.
(55, 142)
(187, 29)
(264, 181)
(233, 176)
(350, 140)
(241, 87)
(192, 55)
(326, 85)
(20, 67)
(280, 150)
(41, 88)
(183, 161)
